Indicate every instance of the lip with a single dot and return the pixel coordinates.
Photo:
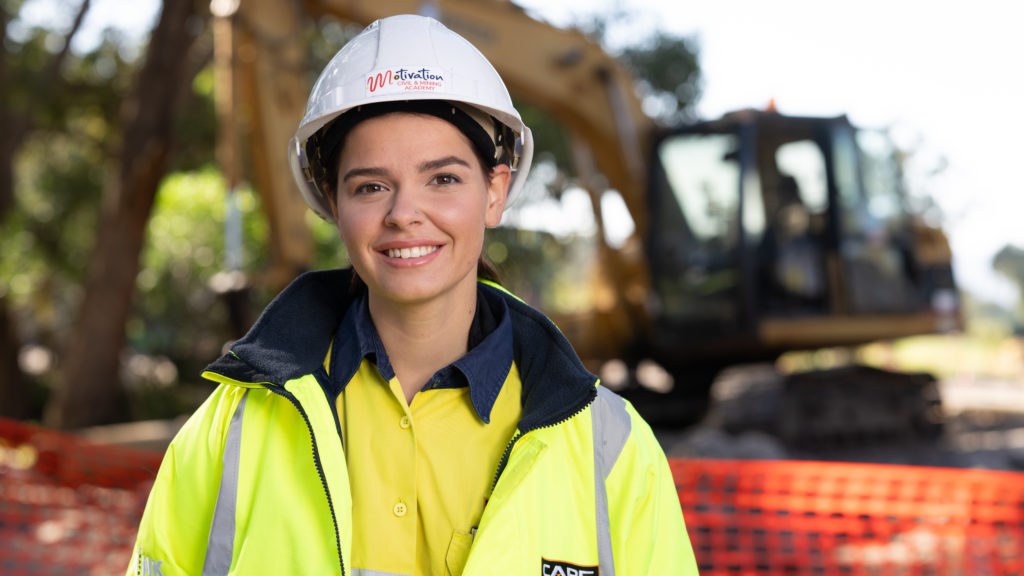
(383, 249)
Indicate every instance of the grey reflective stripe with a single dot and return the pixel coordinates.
(221, 544)
(368, 572)
(611, 427)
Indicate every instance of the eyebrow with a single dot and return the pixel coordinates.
(442, 162)
(423, 167)
(356, 172)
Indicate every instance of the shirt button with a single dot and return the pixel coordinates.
(405, 422)
(400, 509)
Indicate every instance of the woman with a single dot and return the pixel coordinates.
(409, 416)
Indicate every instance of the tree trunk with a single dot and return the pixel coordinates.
(13, 397)
(90, 389)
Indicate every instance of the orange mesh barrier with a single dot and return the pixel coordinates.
(68, 506)
(71, 507)
(856, 519)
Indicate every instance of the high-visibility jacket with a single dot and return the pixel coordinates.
(256, 481)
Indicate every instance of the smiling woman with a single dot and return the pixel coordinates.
(410, 406)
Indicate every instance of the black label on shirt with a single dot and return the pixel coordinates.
(556, 568)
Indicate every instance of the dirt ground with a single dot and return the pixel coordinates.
(982, 426)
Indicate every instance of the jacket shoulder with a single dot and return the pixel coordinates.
(294, 332)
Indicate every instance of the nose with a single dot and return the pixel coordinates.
(404, 209)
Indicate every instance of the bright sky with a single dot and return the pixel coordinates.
(947, 75)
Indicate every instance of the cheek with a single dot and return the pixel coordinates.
(351, 234)
(352, 224)
(464, 219)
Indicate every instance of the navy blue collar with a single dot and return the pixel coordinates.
(483, 368)
(292, 336)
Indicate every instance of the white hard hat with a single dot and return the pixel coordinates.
(404, 60)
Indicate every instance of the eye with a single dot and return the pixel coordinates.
(368, 188)
(446, 179)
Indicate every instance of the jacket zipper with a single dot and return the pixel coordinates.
(316, 460)
(515, 438)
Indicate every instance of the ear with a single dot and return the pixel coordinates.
(497, 193)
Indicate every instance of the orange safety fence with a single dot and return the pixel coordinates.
(784, 517)
(68, 506)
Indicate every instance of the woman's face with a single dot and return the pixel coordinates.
(412, 204)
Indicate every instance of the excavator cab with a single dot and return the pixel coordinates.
(771, 233)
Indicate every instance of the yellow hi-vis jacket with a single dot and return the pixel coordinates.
(256, 481)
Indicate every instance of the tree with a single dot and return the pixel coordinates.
(666, 65)
(1009, 262)
(18, 116)
(668, 73)
(12, 401)
(89, 390)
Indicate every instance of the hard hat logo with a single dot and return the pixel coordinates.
(422, 79)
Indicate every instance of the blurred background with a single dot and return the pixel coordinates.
(786, 231)
(146, 217)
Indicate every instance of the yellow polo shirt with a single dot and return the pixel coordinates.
(421, 473)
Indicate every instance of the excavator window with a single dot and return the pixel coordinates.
(791, 255)
(873, 245)
(696, 217)
(784, 217)
(804, 160)
(882, 189)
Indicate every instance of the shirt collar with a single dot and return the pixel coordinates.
(483, 368)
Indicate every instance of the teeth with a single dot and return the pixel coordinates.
(414, 252)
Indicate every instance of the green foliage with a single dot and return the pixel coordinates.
(195, 126)
(666, 66)
(72, 141)
(668, 74)
(177, 311)
(71, 122)
(91, 86)
(49, 232)
(328, 249)
(1009, 262)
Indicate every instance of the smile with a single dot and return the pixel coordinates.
(414, 252)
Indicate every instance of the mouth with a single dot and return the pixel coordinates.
(411, 252)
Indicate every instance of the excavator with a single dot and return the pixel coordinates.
(754, 234)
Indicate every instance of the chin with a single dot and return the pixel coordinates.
(417, 291)
(407, 291)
